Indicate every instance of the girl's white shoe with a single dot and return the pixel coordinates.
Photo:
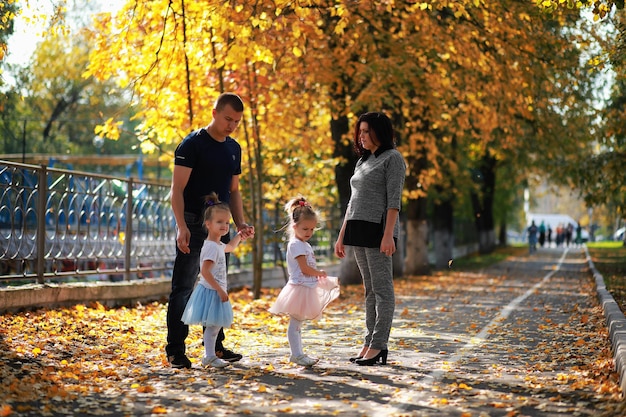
(303, 360)
(214, 362)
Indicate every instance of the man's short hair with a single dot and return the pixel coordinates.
(230, 99)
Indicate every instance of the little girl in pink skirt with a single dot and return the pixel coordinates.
(309, 289)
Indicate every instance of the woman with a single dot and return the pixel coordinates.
(371, 227)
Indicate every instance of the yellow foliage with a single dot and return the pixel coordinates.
(463, 78)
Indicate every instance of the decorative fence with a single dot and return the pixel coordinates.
(56, 223)
(60, 225)
(96, 227)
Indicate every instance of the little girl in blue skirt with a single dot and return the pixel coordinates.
(309, 289)
(208, 305)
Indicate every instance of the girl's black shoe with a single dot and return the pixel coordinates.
(382, 356)
(355, 359)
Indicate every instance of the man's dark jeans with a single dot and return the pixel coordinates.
(184, 277)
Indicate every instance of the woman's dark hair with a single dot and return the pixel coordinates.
(380, 130)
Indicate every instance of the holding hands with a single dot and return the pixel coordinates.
(245, 231)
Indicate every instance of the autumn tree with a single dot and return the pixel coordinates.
(599, 8)
(467, 88)
(471, 86)
(502, 100)
(8, 9)
(539, 57)
(58, 108)
(599, 172)
(178, 57)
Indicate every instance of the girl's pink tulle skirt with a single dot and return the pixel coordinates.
(306, 303)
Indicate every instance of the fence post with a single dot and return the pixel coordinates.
(41, 223)
(129, 229)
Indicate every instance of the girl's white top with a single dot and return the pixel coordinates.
(295, 248)
(214, 251)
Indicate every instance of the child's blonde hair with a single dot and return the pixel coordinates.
(299, 209)
(212, 203)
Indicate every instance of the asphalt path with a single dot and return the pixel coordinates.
(525, 337)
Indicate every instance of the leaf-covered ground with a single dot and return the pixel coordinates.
(523, 338)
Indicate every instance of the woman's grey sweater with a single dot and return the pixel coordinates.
(376, 187)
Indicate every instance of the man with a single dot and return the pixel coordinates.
(207, 160)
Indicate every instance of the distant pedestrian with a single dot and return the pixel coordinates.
(208, 304)
(569, 231)
(542, 233)
(549, 236)
(532, 237)
(309, 289)
(579, 234)
(559, 235)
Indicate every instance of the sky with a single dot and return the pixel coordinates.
(27, 33)
(22, 43)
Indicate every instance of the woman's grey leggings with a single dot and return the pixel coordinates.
(380, 301)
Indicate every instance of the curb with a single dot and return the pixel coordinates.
(615, 321)
(52, 295)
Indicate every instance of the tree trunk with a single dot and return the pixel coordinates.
(416, 260)
(255, 159)
(349, 272)
(259, 222)
(483, 204)
(443, 233)
(345, 169)
(502, 240)
(416, 257)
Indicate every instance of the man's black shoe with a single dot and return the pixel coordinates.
(228, 355)
(179, 360)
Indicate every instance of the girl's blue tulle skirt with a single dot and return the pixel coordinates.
(206, 308)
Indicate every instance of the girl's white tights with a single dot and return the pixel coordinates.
(294, 336)
(210, 336)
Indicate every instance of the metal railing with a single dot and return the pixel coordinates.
(56, 223)
(97, 227)
(59, 225)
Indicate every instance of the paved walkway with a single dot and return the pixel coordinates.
(526, 337)
(522, 338)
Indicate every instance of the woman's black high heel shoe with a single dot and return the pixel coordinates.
(382, 356)
(361, 353)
